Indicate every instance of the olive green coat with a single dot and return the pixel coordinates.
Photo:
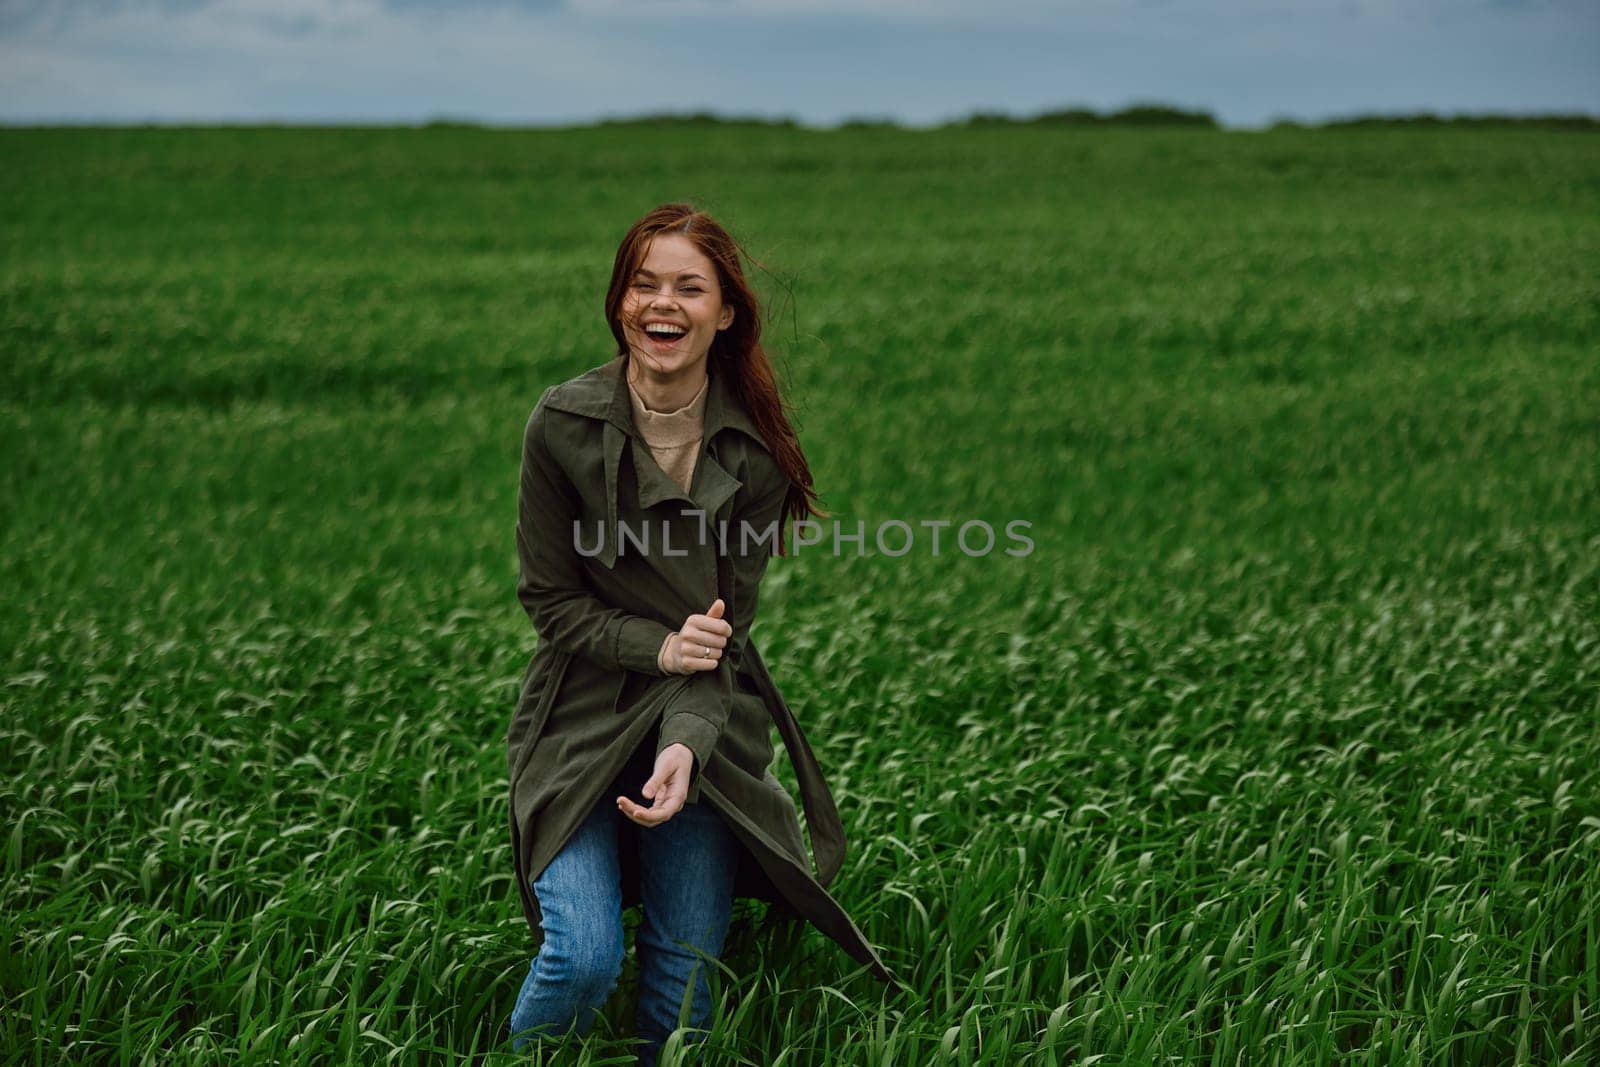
(602, 605)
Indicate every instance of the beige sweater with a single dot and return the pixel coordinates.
(674, 440)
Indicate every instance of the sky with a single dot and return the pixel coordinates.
(919, 62)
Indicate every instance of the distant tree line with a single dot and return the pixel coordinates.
(1137, 115)
(700, 118)
(1551, 121)
(1143, 114)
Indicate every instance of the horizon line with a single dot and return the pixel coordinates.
(1052, 117)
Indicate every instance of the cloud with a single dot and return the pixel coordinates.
(294, 60)
(55, 15)
(542, 61)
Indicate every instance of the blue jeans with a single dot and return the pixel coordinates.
(686, 871)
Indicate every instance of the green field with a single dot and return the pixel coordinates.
(1282, 746)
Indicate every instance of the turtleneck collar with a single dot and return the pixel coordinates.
(667, 429)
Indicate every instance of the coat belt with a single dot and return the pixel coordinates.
(822, 815)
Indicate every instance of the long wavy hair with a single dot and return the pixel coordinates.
(736, 350)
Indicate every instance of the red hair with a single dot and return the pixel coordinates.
(737, 349)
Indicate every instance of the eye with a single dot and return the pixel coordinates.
(691, 289)
(642, 285)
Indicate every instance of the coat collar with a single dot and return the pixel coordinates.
(602, 394)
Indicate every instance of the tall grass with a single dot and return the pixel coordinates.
(1280, 747)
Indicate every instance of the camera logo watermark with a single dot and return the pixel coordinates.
(890, 537)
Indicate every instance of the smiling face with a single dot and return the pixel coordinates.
(673, 308)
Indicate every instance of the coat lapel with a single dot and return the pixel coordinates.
(710, 488)
(612, 441)
(602, 394)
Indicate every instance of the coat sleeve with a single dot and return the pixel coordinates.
(551, 585)
(697, 717)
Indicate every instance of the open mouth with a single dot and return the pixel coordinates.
(664, 336)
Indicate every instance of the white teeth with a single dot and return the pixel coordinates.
(665, 329)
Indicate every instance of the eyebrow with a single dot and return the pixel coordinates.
(685, 277)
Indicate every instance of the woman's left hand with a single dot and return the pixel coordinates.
(666, 789)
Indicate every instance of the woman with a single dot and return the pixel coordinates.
(654, 489)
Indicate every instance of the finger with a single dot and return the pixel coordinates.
(642, 816)
(712, 621)
(666, 811)
(691, 654)
(655, 815)
(666, 806)
(665, 780)
(705, 638)
(674, 788)
(695, 657)
(665, 787)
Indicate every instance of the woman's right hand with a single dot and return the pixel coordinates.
(698, 645)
